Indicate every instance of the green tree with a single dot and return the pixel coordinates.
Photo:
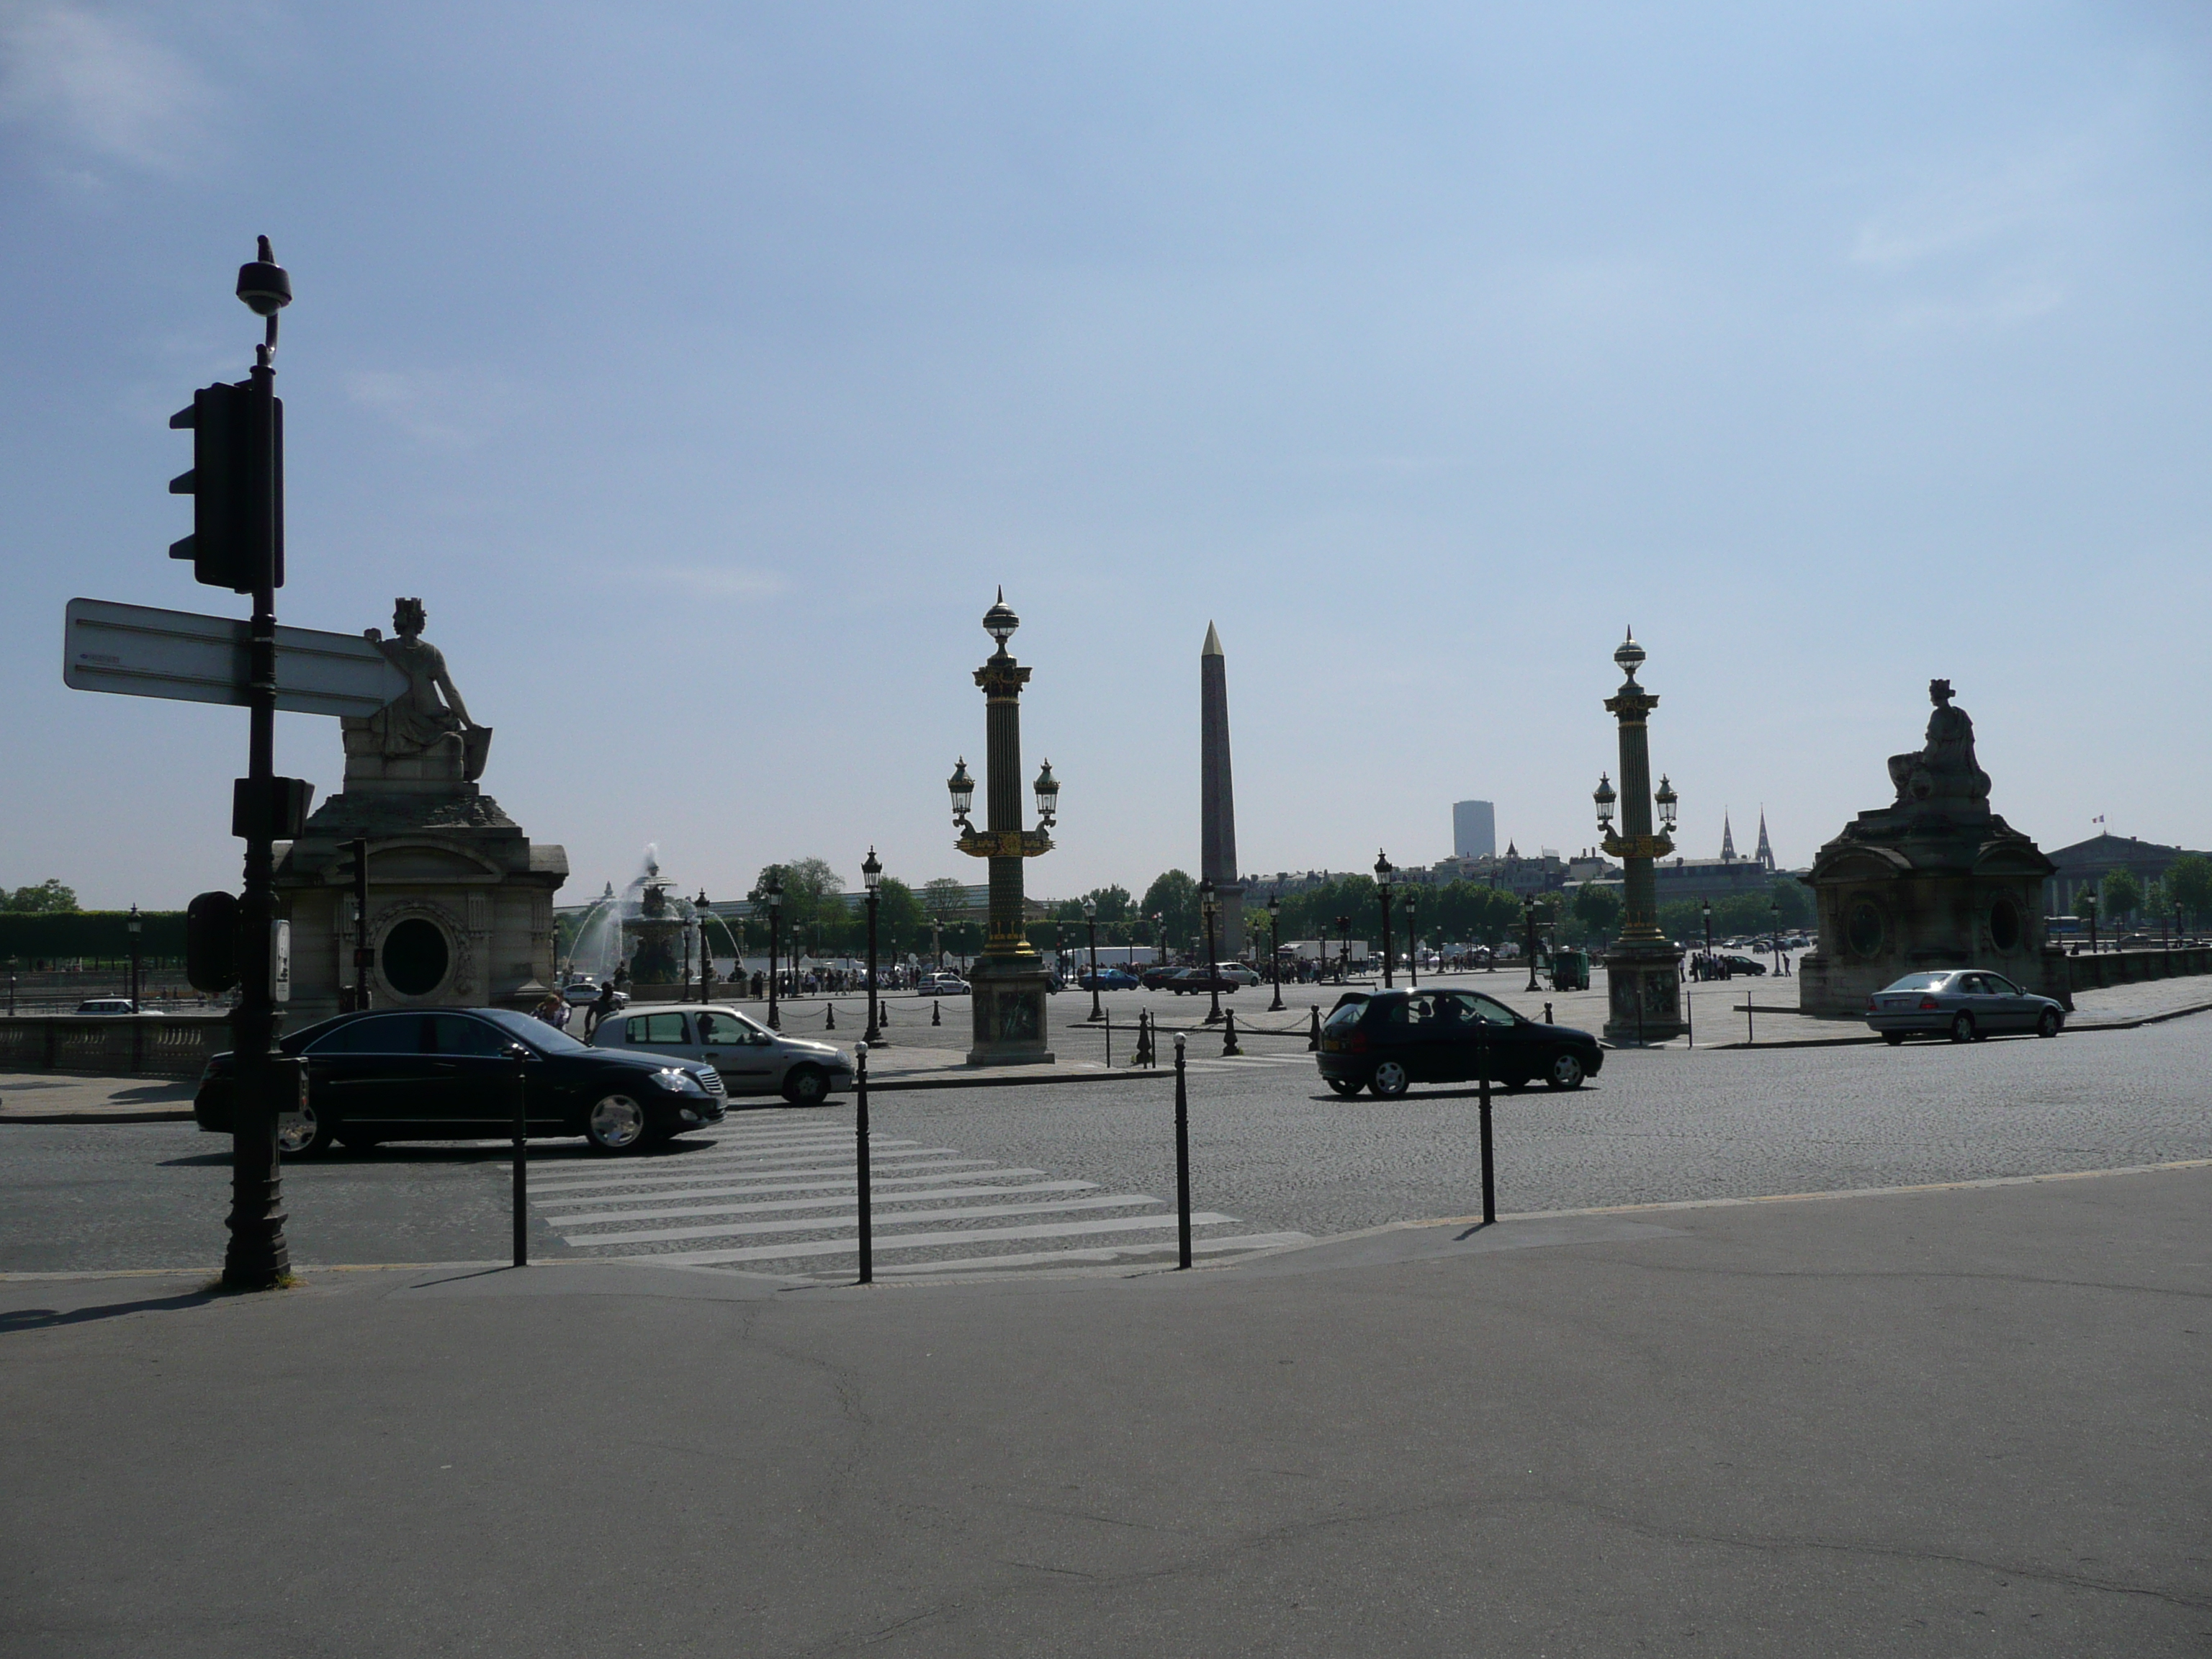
(49, 897)
(2189, 885)
(2123, 894)
(2084, 904)
(1173, 896)
(1598, 908)
(944, 897)
(900, 925)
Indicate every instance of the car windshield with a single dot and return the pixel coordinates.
(535, 1032)
(1920, 982)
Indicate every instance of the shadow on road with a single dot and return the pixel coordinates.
(404, 1153)
(39, 1319)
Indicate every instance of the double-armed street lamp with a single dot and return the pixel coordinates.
(1091, 922)
(1275, 948)
(134, 926)
(1006, 1002)
(1384, 872)
(772, 896)
(1208, 909)
(702, 911)
(1644, 970)
(872, 881)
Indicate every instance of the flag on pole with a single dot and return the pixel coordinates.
(2100, 819)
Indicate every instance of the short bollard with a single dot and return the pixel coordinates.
(1110, 1036)
(861, 1163)
(1489, 1174)
(936, 1013)
(1548, 1020)
(1229, 1048)
(1313, 1037)
(1182, 1161)
(1144, 1055)
(829, 1018)
(521, 1056)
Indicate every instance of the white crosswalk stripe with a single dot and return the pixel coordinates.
(784, 1187)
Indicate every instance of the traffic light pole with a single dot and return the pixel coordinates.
(258, 1257)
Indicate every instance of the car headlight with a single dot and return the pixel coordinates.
(678, 1081)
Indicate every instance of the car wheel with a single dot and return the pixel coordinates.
(1962, 1028)
(1894, 1039)
(1390, 1080)
(616, 1124)
(805, 1085)
(310, 1135)
(2048, 1025)
(1342, 1085)
(1565, 1070)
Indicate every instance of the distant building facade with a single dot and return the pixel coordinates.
(1475, 830)
(2084, 866)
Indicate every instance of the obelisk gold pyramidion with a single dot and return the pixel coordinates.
(1008, 980)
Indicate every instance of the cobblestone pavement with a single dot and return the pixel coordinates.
(1270, 1147)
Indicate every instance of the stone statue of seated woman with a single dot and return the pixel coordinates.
(1944, 770)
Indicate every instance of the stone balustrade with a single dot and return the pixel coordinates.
(150, 1045)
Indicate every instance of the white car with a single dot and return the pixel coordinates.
(106, 1006)
(1238, 973)
(945, 984)
(750, 1059)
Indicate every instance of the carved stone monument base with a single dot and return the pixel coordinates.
(1007, 1005)
(1643, 994)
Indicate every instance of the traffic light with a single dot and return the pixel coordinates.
(237, 487)
(211, 943)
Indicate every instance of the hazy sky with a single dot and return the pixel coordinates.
(704, 368)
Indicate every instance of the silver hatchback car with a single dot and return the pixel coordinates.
(750, 1059)
(1964, 1004)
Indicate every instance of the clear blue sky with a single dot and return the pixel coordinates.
(704, 368)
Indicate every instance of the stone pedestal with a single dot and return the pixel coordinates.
(1007, 1005)
(1643, 994)
(1934, 880)
(460, 901)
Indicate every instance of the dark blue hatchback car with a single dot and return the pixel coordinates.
(1388, 1040)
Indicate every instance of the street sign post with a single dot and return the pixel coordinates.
(137, 651)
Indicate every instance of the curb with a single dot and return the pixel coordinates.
(184, 1117)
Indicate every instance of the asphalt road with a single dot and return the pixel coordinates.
(1272, 1153)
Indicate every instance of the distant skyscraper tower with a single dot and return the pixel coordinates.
(1475, 830)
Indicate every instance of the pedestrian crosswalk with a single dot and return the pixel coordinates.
(778, 1191)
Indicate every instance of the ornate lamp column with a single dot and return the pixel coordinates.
(1384, 871)
(1275, 949)
(1091, 922)
(1643, 970)
(1007, 983)
(872, 878)
(1207, 910)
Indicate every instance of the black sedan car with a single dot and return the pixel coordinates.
(1386, 1040)
(448, 1074)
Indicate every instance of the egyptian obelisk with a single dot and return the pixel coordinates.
(1217, 860)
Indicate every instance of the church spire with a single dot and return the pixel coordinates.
(1766, 854)
(1728, 839)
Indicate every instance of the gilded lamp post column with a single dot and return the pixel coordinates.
(1643, 970)
(1008, 982)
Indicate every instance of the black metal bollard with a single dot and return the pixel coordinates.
(521, 1058)
(1144, 1055)
(861, 1163)
(1489, 1173)
(829, 1018)
(1548, 1020)
(1229, 1048)
(936, 1013)
(1182, 1161)
(1110, 1036)
(1313, 1037)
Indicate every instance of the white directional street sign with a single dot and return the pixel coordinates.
(138, 651)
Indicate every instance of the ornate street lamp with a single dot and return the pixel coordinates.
(2089, 898)
(1644, 970)
(1774, 935)
(134, 926)
(1528, 919)
(1709, 941)
(1413, 940)
(871, 880)
(1006, 1001)
(772, 896)
(1207, 909)
(1275, 948)
(703, 910)
(1343, 949)
(1384, 872)
(1160, 925)
(1090, 922)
